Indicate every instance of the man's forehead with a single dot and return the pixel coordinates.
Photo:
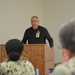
(34, 18)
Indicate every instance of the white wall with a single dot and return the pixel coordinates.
(15, 17)
(56, 12)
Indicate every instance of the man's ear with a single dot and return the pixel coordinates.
(66, 54)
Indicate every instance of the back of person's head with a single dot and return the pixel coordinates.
(67, 36)
(14, 49)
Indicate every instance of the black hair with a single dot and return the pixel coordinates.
(67, 36)
(14, 49)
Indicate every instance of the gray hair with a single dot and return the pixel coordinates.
(67, 35)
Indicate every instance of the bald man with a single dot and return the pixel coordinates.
(37, 34)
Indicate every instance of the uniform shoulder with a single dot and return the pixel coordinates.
(3, 67)
(3, 63)
(23, 59)
(61, 69)
(27, 62)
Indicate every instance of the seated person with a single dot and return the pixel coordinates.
(16, 65)
(67, 47)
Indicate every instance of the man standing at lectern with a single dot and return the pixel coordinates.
(37, 34)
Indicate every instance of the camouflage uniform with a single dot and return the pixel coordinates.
(20, 67)
(67, 68)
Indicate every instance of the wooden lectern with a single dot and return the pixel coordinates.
(41, 56)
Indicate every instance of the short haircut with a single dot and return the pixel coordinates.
(67, 36)
(34, 17)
